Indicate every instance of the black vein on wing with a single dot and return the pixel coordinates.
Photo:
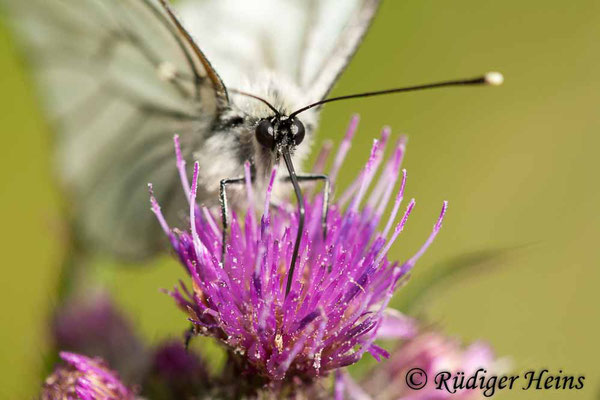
(198, 78)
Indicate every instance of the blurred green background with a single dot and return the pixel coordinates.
(518, 165)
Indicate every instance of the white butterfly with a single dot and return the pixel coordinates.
(120, 77)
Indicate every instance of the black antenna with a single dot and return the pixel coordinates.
(257, 98)
(491, 78)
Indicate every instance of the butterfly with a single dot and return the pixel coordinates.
(238, 81)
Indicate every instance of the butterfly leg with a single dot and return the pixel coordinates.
(189, 335)
(326, 192)
(225, 209)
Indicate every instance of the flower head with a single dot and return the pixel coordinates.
(93, 325)
(172, 360)
(84, 378)
(341, 286)
(417, 362)
(175, 373)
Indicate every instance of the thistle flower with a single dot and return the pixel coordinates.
(84, 378)
(175, 373)
(419, 360)
(95, 327)
(341, 285)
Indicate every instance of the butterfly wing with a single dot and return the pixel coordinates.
(331, 41)
(119, 78)
(308, 41)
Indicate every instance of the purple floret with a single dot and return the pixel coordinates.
(84, 378)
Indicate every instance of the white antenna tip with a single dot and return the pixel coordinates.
(494, 78)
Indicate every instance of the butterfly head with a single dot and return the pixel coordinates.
(273, 127)
(280, 132)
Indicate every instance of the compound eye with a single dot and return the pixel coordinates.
(265, 134)
(298, 131)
